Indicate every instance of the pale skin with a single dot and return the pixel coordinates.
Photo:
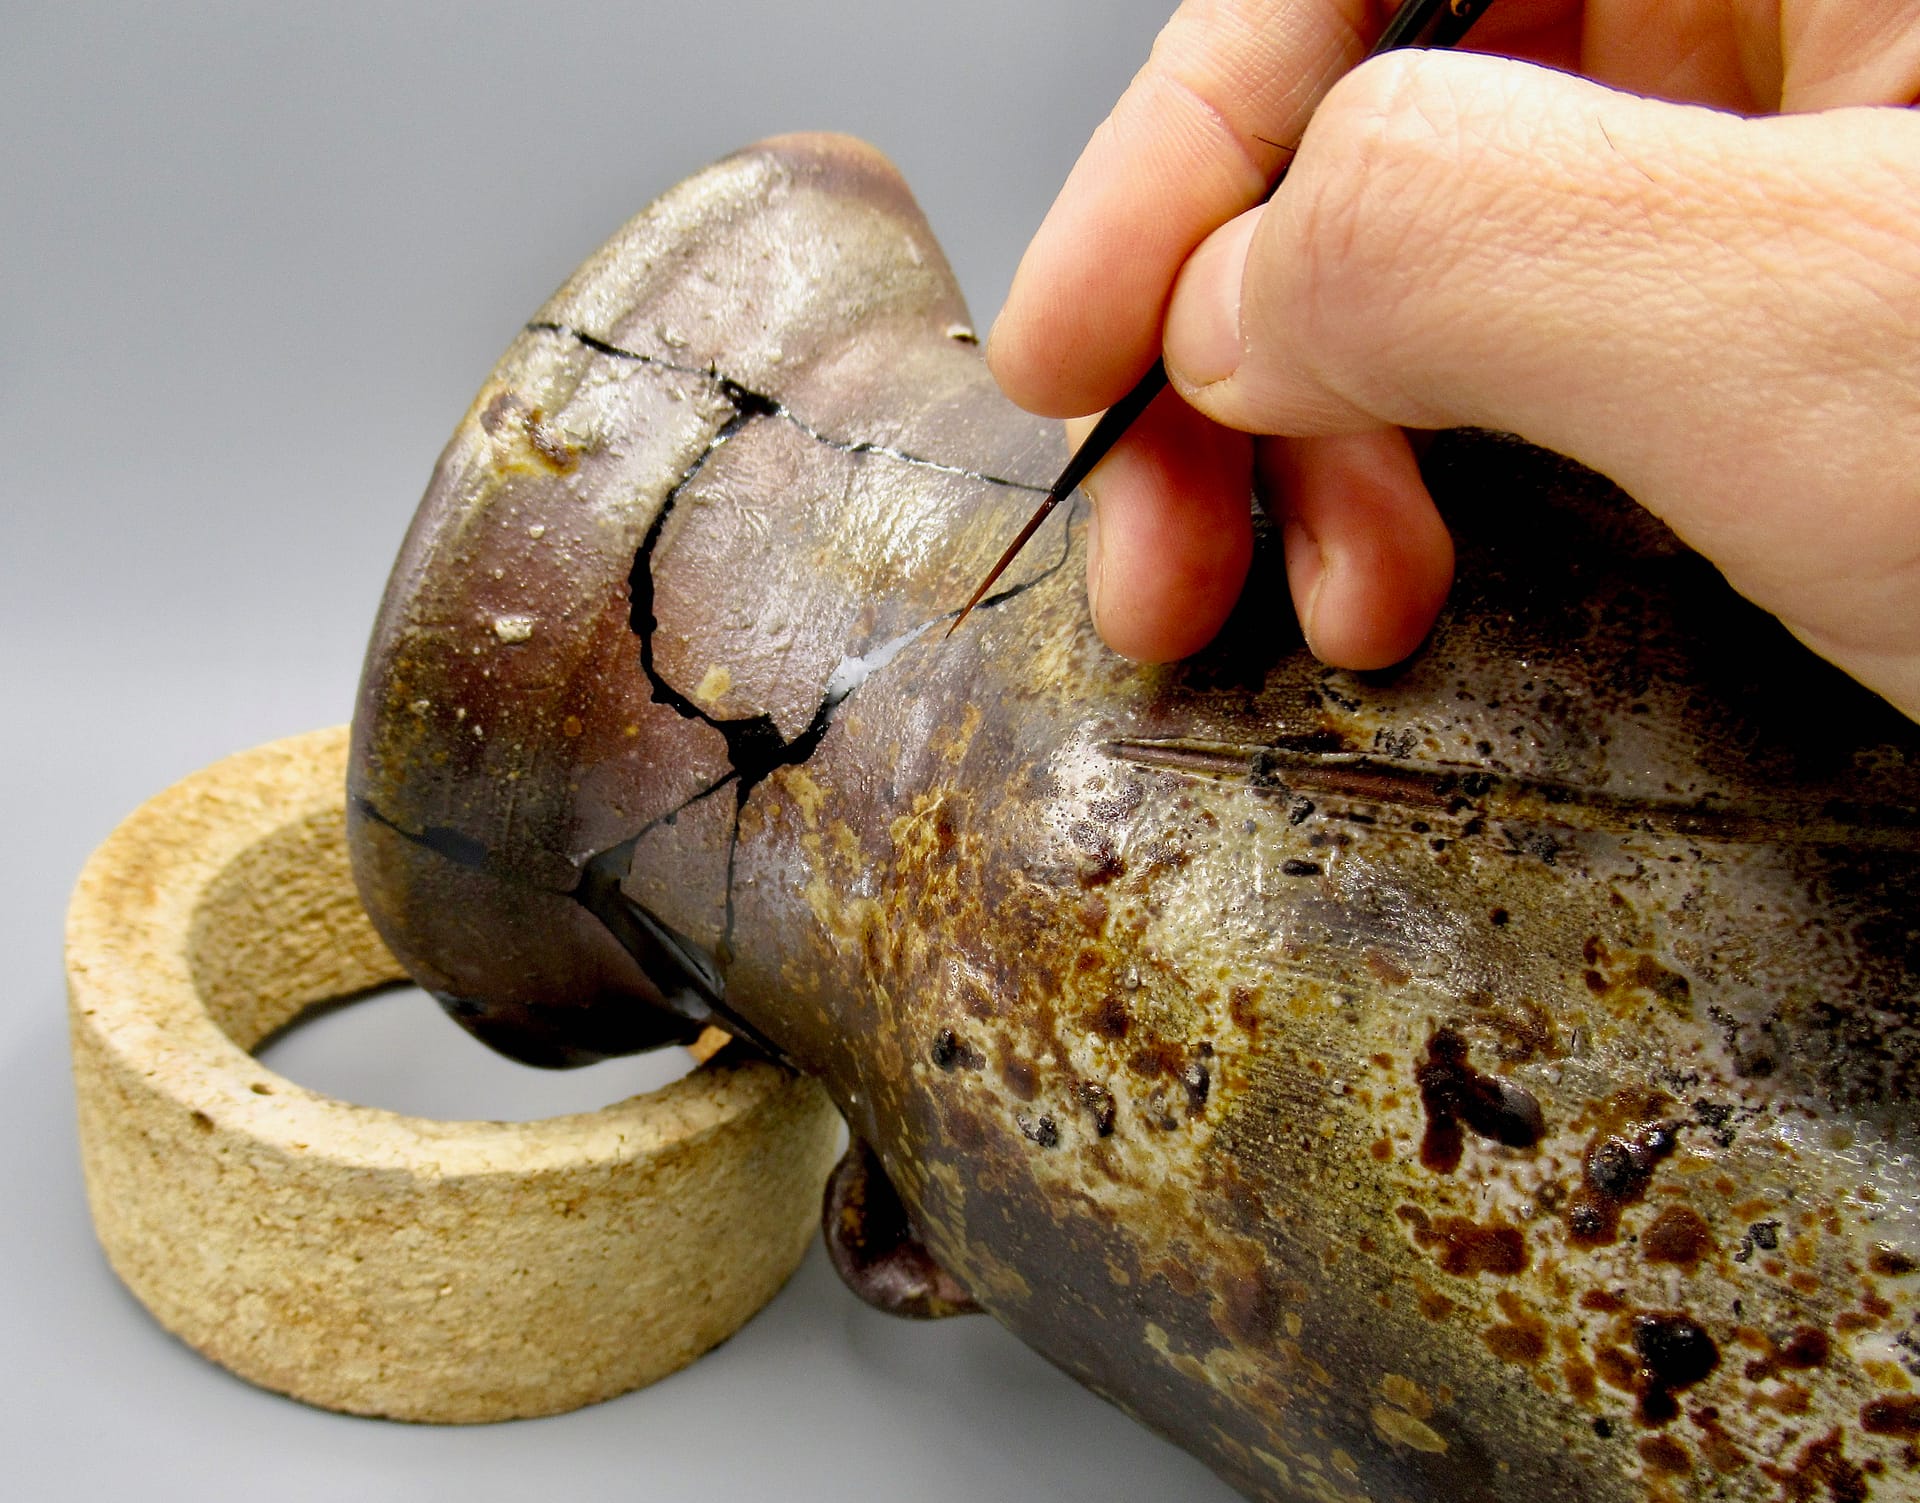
(1678, 240)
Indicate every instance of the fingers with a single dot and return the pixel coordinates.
(1839, 52)
(1811, 55)
(1368, 558)
(1717, 312)
(1437, 203)
(1180, 153)
(1172, 533)
(1467, 240)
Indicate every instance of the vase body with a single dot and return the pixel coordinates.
(1488, 1079)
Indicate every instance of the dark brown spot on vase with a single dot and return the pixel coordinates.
(1892, 1414)
(1465, 1248)
(1678, 1235)
(1455, 1095)
(1675, 1353)
(1662, 1453)
(1615, 1173)
(1891, 1263)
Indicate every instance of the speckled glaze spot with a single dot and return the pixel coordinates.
(1530, 1023)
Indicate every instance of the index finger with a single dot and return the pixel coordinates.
(1198, 136)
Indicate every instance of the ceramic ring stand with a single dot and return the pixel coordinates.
(356, 1258)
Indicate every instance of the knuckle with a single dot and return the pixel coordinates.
(1378, 144)
(1389, 186)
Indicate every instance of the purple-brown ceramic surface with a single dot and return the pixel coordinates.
(1492, 1079)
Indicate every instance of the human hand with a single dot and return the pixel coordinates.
(1721, 313)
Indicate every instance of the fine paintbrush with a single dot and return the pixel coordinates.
(1418, 23)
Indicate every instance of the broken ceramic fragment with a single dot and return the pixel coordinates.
(1488, 1079)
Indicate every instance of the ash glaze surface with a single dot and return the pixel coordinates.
(1492, 1079)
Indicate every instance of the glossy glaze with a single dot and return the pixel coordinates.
(1491, 1079)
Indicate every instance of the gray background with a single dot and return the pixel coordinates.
(254, 265)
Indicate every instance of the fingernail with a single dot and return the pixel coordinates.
(1306, 573)
(1203, 319)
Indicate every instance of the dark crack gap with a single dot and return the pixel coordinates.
(689, 984)
(738, 392)
(462, 849)
(751, 740)
(472, 854)
(690, 981)
(755, 747)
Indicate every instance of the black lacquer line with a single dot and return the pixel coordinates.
(737, 392)
(690, 980)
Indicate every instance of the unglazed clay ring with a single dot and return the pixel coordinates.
(359, 1259)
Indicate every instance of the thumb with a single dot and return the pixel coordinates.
(1716, 312)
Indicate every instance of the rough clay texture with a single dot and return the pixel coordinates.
(1491, 1079)
(355, 1258)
